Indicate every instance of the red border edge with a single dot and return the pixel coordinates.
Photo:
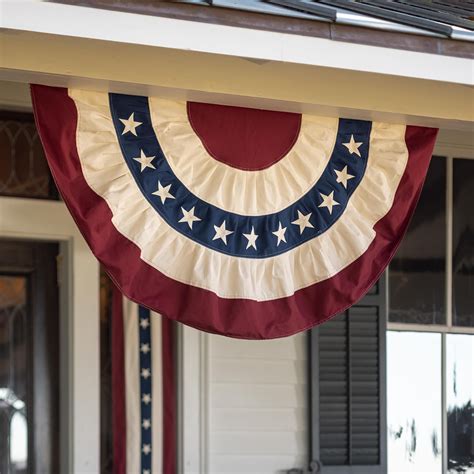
(56, 120)
(119, 428)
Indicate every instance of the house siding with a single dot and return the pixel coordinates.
(258, 410)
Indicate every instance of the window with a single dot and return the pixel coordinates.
(417, 273)
(463, 243)
(430, 339)
(24, 171)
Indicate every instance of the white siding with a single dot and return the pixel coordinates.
(257, 405)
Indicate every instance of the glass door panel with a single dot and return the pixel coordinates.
(29, 358)
(414, 402)
(13, 377)
(459, 402)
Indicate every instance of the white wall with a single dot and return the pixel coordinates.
(257, 405)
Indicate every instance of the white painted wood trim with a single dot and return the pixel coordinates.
(444, 408)
(429, 328)
(79, 313)
(42, 58)
(193, 399)
(83, 22)
(449, 242)
(454, 150)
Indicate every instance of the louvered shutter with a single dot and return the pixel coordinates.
(348, 389)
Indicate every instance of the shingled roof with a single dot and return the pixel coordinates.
(452, 19)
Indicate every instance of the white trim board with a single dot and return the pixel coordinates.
(79, 315)
(95, 49)
(147, 30)
(193, 399)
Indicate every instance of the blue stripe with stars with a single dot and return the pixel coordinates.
(146, 395)
(211, 218)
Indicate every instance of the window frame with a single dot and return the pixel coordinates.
(448, 327)
(450, 151)
(27, 117)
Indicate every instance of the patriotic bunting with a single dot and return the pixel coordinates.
(242, 222)
(143, 390)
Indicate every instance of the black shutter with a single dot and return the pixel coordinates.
(348, 389)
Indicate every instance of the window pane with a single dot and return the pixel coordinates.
(414, 402)
(459, 401)
(417, 273)
(24, 171)
(463, 243)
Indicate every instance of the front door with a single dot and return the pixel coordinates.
(29, 358)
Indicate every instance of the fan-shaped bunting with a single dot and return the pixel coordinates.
(237, 221)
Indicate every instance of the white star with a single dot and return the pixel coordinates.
(146, 399)
(343, 176)
(353, 146)
(303, 221)
(163, 192)
(145, 373)
(146, 423)
(130, 125)
(189, 217)
(144, 323)
(146, 449)
(280, 233)
(252, 237)
(145, 161)
(145, 348)
(328, 201)
(222, 233)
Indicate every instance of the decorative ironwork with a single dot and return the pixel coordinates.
(24, 171)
